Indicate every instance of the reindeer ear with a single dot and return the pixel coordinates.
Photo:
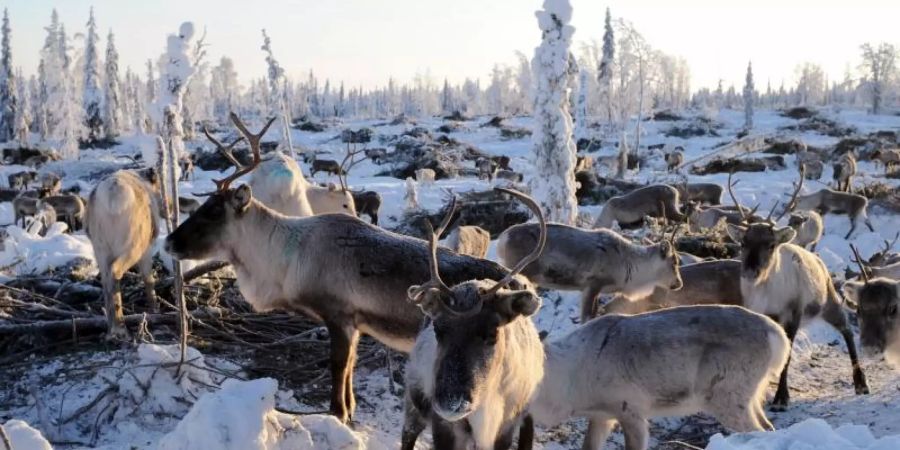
(332, 187)
(665, 249)
(240, 198)
(512, 304)
(736, 232)
(784, 235)
(851, 290)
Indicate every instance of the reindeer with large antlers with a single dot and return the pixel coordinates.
(877, 301)
(479, 360)
(791, 285)
(333, 268)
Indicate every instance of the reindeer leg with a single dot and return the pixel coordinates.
(145, 265)
(442, 434)
(589, 302)
(598, 431)
(349, 398)
(635, 431)
(341, 336)
(526, 433)
(111, 292)
(413, 421)
(782, 395)
(853, 221)
(834, 315)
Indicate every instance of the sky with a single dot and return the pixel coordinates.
(364, 42)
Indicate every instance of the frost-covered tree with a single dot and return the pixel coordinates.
(224, 89)
(581, 107)
(446, 98)
(553, 150)
(8, 93)
(524, 95)
(62, 107)
(810, 84)
(112, 98)
(604, 70)
(91, 93)
(879, 64)
(275, 76)
(43, 115)
(175, 74)
(23, 111)
(749, 93)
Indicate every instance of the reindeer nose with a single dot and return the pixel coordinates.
(453, 409)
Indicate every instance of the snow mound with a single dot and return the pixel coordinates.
(26, 253)
(807, 435)
(241, 416)
(23, 437)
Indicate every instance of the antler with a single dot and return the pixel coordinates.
(889, 245)
(253, 140)
(415, 293)
(737, 204)
(342, 176)
(538, 249)
(862, 267)
(225, 150)
(793, 202)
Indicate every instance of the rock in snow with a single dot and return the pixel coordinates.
(23, 437)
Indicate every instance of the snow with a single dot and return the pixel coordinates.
(241, 416)
(809, 434)
(23, 437)
(212, 392)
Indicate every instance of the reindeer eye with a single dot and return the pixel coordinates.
(892, 310)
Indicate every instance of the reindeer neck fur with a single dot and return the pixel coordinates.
(640, 279)
(265, 248)
(793, 275)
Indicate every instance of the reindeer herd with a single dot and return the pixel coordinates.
(681, 335)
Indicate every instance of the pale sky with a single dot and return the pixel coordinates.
(366, 41)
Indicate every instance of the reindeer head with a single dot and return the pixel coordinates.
(199, 235)
(878, 303)
(471, 323)
(759, 244)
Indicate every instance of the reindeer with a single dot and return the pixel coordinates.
(469, 240)
(813, 169)
(844, 170)
(279, 183)
(486, 168)
(658, 200)
(674, 160)
(187, 167)
(678, 361)
(121, 224)
(789, 284)
(24, 207)
(583, 163)
(702, 193)
(71, 207)
(502, 162)
(591, 261)
(478, 361)
(333, 268)
(21, 180)
(411, 195)
(877, 301)
(830, 201)
(325, 165)
(886, 255)
(376, 154)
(809, 228)
(368, 203)
(889, 158)
(51, 183)
(703, 283)
(425, 177)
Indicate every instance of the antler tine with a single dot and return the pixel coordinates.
(793, 201)
(737, 204)
(772, 211)
(223, 149)
(345, 169)
(253, 140)
(862, 267)
(538, 249)
(889, 245)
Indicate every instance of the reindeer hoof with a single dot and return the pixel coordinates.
(776, 407)
(118, 334)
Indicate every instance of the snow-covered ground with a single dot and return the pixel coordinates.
(208, 404)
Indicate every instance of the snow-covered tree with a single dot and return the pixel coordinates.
(23, 111)
(524, 96)
(112, 104)
(604, 70)
(175, 74)
(8, 93)
(879, 64)
(749, 93)
(275, 76)
(43, 115)
(61, 103)
(810, 84)
(224, 89)
(553, 150)
(91, 93)
(581, 107)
